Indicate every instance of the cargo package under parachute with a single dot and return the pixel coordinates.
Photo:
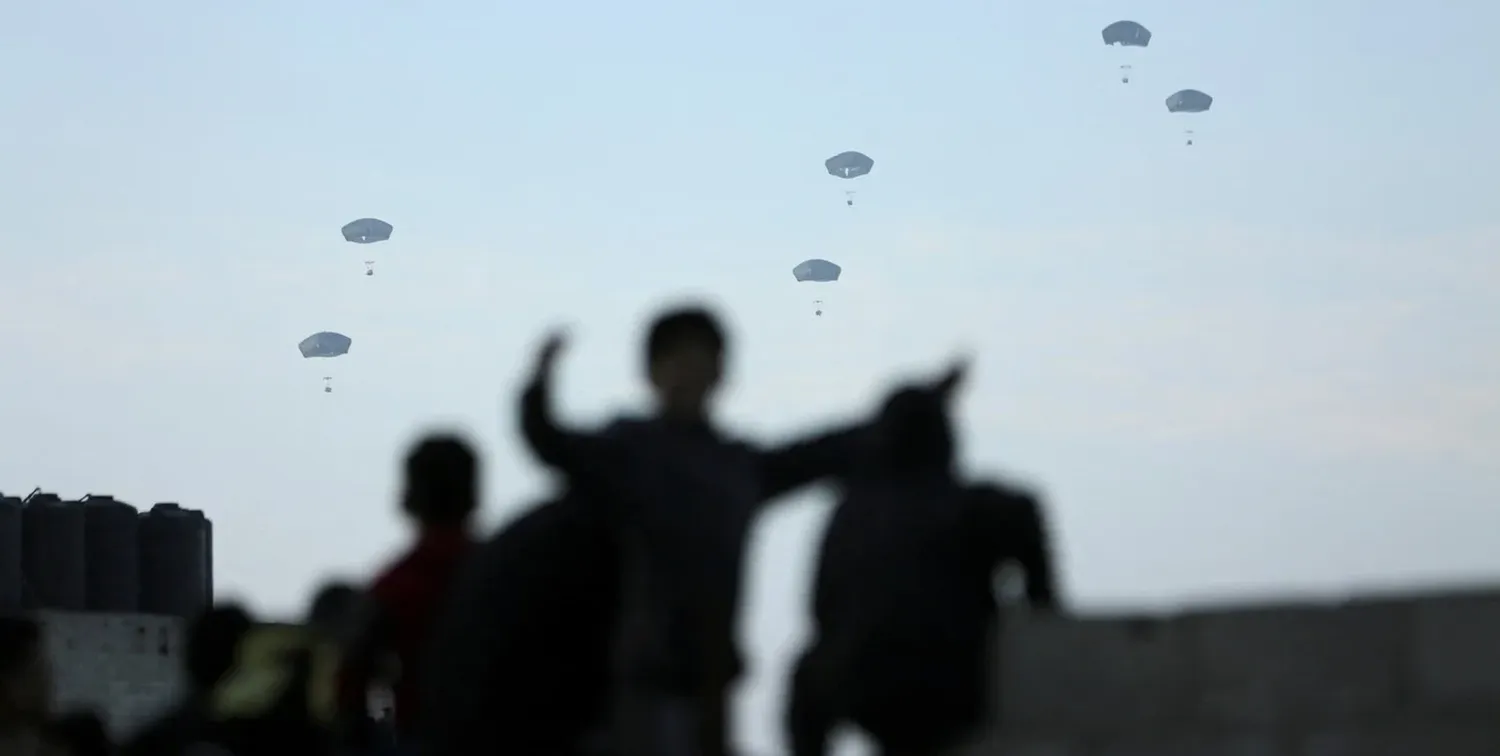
(817, 271)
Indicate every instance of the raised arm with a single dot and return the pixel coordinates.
(573, 453)
(830, 454)
(836, 453)
(579, 455)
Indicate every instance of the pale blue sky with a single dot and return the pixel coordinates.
(1193, 348)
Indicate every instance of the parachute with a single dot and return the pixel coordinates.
(1189, 101)
(816, 271)
(367, 231)
(325, 344)
(849, 165)
(1126, 34)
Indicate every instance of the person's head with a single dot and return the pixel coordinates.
(915, 432)
(442, 482)
(25, 676)
(213, 639)
(334, 608)
(685, 360)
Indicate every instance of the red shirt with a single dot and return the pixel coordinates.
(409, 594)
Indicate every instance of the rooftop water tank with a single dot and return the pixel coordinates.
(11, 573)
(208, 545)
(174, 561)
(112, 554)
(53, 554)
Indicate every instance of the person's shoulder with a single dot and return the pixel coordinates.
(536, 524)
(729, 440)
(627, 426)
(999, 491)
(392, 580)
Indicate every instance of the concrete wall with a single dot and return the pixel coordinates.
(1417, 676)
(123, 666)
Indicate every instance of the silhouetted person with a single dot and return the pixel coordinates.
(441, 497)
(521, 659)
(25, 686)
(682, 496)
(336, 614)
(334, 611)
(904, 599)
(208, 656)
(269, 702)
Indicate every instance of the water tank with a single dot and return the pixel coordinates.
(208, 546)
(113, 554)
(53, 555)
(11, 578)
(174, 561)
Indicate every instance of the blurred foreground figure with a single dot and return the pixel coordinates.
(334, 611)
(521, 659)
(401, 606)
(904, 599)
(25, 687)
(335, 616)
(681, 496)
(279, 697)
(212, 642)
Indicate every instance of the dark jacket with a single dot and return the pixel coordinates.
(521, 657)
(903, 597)
(682, 499)
(915, 560)
(909, 532)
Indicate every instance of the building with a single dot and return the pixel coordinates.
(124, 667)
(112, 587)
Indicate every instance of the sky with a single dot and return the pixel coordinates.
(1262, 365)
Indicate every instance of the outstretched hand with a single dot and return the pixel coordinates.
(546, 357)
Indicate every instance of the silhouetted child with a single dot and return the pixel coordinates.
(682, 496)
(903, 599)
(334, 609)
(441, 497)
